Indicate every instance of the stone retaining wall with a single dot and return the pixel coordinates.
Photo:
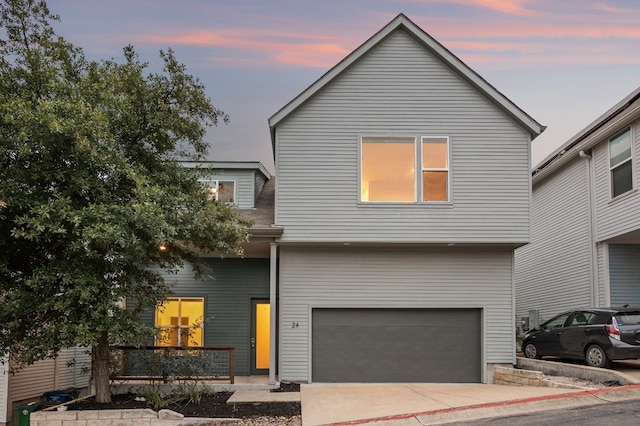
(131, 417)
(513, 376)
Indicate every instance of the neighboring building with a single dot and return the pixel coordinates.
(585, 233)
(403, 189)
(69, 370)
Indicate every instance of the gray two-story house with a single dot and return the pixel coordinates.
(585, 231)
(403, 189)
(383, 251)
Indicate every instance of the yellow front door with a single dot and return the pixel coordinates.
(261, 338)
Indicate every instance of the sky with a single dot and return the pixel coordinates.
(564, 62)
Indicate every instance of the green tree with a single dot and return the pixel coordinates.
(90, 188)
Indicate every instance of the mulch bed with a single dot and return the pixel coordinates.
(212, 406)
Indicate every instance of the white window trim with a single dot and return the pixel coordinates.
(419, 192)
(216, 182)
(180, 299)
(612, 168)
(434, 169)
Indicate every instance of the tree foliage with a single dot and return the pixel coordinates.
(90, 187)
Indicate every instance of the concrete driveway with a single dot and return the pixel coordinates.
(394, 403)
(628, 367)
(360, 403)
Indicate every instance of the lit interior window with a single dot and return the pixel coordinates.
(180, 322)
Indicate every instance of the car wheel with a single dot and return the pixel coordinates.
(531, 351)
(596, 357)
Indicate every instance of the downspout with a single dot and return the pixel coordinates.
(595, 300)
(272, 312)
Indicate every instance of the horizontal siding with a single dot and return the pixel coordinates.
(32, 381)
(624, 272)
(552, 272)
(227, 292)
(74, 367)
(245, 185)
(616, 217)
(348, 277)
(399, 88)
(603, 281)
(70, 369)
(5, 407)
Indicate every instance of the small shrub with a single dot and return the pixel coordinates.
(156, 398)
(191, 393)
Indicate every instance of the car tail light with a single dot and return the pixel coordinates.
(612, 329)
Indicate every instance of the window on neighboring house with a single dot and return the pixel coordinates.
(180, 322)
(620, 163)
(388, 169)
(222, 190)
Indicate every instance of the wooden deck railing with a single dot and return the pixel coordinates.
(177, 362)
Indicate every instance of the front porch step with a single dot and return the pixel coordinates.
(257, 396)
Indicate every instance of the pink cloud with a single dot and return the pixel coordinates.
(613, 9)
(581, 59)
(511, 37)
(295, 49)
(510, 7)
(520, 30)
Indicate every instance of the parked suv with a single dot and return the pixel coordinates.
(597, 335)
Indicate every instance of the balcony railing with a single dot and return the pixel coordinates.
(168, 363)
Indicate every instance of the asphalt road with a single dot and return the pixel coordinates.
(623, 413)
(619, 413)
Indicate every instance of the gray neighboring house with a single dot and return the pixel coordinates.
(403, 189)
(585, 224)
(69, 369)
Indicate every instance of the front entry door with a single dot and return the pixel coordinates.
(260, 336)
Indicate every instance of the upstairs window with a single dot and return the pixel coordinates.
(435, 169)
(180, 322)
(222, 190)
(388, 169)
(620, 164)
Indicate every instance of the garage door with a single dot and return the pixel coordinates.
(396, 345)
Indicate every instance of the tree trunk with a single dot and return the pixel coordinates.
(100, 366)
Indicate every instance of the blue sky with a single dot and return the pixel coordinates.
(564, 62)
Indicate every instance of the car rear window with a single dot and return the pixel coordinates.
(628, 318)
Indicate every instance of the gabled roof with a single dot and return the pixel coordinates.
(401, 22)
(618, 115)
(263, 213)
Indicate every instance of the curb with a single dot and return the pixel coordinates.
(592, 392)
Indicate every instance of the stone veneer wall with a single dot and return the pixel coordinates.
(513, 376)
(131, 417)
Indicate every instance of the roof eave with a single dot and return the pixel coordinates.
(270, 232)
(401, 21)
(617, 117)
